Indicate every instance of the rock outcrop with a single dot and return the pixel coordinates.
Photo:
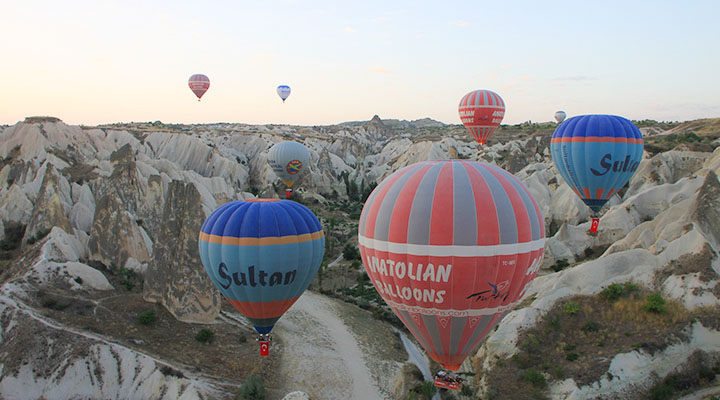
(176, 277)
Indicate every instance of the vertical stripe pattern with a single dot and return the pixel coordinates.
(481, 111)
(451, 246)
(199, 84)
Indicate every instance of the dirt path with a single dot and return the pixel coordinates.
(320, 355)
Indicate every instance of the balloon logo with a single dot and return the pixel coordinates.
(560, 116)
(283, 91)
(199, 84)
(451, 247)
(294, 167)
(287, 160)
(481, 111)
(596, 155)
(262, 254)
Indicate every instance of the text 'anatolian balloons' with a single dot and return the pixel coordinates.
(451, 247)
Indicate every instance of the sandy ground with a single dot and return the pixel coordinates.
(320, 356)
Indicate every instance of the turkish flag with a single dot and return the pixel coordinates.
(264, 349)
(594, 226)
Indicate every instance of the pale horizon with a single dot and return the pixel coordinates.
(95, 63)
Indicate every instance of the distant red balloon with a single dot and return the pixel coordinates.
(481, 111)
(451, 247)
(199, 84)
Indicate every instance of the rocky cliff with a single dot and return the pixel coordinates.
(99, 227)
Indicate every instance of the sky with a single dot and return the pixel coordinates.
(96, 62)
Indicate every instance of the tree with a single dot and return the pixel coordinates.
(351, 252)
(252, 389)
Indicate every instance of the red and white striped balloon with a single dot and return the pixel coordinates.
(199, 84)
(481, 111)
(451, 247)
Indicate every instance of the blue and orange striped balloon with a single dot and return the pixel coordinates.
(596, 155)
(262, 254)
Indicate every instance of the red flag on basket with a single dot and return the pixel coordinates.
(264, 349)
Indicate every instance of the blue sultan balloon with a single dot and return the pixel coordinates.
(596, 155)
(262, 254)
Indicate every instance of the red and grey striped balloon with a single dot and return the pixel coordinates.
(451, 247)
(481, 111)
(199, 84)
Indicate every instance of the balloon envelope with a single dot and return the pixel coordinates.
(481, 111)
(451, 246)
(199, 84)
(288, 159)
(560, 116)
(262, 254)
(283, 91)
(596, 155)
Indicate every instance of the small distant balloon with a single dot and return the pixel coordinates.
(481, 111)
(283, 91)
(199, 84)
(560, 116)
(287, 160)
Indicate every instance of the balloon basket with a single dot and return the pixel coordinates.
(264, 342)
(288, 192)
(594, 226)
(446, 380)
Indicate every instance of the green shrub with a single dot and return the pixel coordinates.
(252, 389)
(205, 335)
(591, 326)
(655, 303)
(572, 356)
(662, 392)
(427, 389)
(535, 378)
(466, 391)
(147, 318)
(571, 307)
(612, 292)
(560, 265)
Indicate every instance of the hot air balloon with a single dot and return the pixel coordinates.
(481, 111)
(596, 155)
(262, 254)
(283, 91)
(199, 84)
(451, 247)
(287, 159)
(560, 116)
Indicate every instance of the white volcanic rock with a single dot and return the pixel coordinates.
(632, 374)
(190, 153)
(296, 396)
(667, 167)
(15, 207)
(61, 246)
(73, 365)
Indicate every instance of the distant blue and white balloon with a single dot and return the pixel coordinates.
(560, 116)
(596, 155)
(283, 91)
